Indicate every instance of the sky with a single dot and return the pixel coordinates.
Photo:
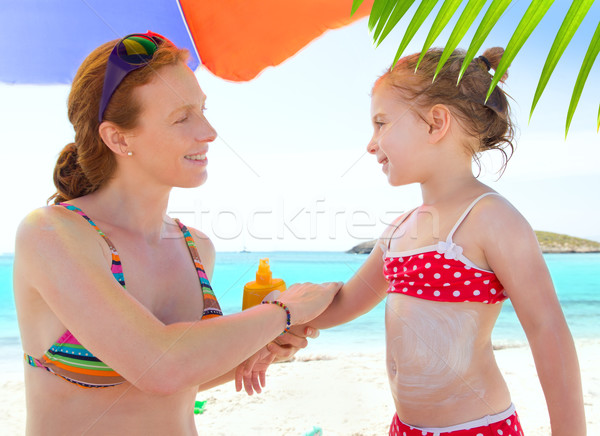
(290, 171)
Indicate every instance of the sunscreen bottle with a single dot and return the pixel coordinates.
(264, 288)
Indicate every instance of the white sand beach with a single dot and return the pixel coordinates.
(344, 394)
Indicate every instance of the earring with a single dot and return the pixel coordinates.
(130, 153)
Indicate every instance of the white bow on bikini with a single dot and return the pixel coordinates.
(449, 249)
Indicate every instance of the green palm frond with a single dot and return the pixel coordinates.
(574, 17)
(488, 22)
(586, 66)
(462, 25)
(355, 5)
(400, 8)
(446, 12)
(386, 14)
(533, 15)
(421, 14)
(378, 10)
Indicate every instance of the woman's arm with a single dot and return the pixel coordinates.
(513, 253)
(224, 378)
(59, 258)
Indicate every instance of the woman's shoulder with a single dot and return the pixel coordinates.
(43, 219)
(47, 226)
(205, 247)
(202, 239)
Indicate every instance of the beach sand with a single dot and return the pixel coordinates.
(344, 394)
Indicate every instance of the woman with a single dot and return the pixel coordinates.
(124, 287)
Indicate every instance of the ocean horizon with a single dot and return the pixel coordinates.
(576, 279)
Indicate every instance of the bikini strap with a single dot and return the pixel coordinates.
(116, 267)
(211, 305)
(465, 213)
(398, 226)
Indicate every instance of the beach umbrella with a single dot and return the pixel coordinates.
(45, 41)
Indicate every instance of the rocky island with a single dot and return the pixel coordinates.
(549, 242)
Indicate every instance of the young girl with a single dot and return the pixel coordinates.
(448, 265)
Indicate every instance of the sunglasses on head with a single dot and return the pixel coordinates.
(130, 53)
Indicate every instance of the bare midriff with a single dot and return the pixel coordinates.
(440, 361)
(101, 411)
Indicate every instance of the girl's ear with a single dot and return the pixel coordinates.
(440, 118)
(113, 138)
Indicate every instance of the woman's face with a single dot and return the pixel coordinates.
(172, 135)
(399, 136)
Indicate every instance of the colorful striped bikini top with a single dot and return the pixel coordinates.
(69, 359)
(441, 272)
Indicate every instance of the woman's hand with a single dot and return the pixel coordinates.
(306, 301)
(252, 373)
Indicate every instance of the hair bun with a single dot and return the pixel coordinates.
(68, 156)
(493, 55)
(485, 60)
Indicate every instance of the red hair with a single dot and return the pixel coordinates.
(86, 164)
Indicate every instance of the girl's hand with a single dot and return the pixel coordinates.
(306, 301)
(252, 373)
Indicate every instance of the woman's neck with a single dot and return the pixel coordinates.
(140, 210)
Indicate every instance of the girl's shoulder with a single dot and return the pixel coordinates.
(497, 219)
(495, 210)
(390, 230)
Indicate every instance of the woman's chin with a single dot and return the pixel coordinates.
(195, 182)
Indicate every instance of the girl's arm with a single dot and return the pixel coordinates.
(513, 253)
(360, 294)
(59, 258)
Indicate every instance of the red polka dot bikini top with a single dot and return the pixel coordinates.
(441, 272)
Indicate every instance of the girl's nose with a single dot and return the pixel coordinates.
(372, 147)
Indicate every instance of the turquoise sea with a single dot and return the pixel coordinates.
(576, 278)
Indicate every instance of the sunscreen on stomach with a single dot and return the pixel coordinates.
(264, 288)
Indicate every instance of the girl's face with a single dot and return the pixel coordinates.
(171, 139)
(399, 139)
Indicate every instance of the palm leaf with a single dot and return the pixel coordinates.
(586, 66)
(460, 29)
(355, 5)
(533, 15)
(376, 12)
(402, 6)
(421, 14)
(489, 20)
(443, 17)
(390, 12)
(385, 15)
(573, 19)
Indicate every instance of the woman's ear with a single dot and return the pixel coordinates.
(113, 138)
(440, 119)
